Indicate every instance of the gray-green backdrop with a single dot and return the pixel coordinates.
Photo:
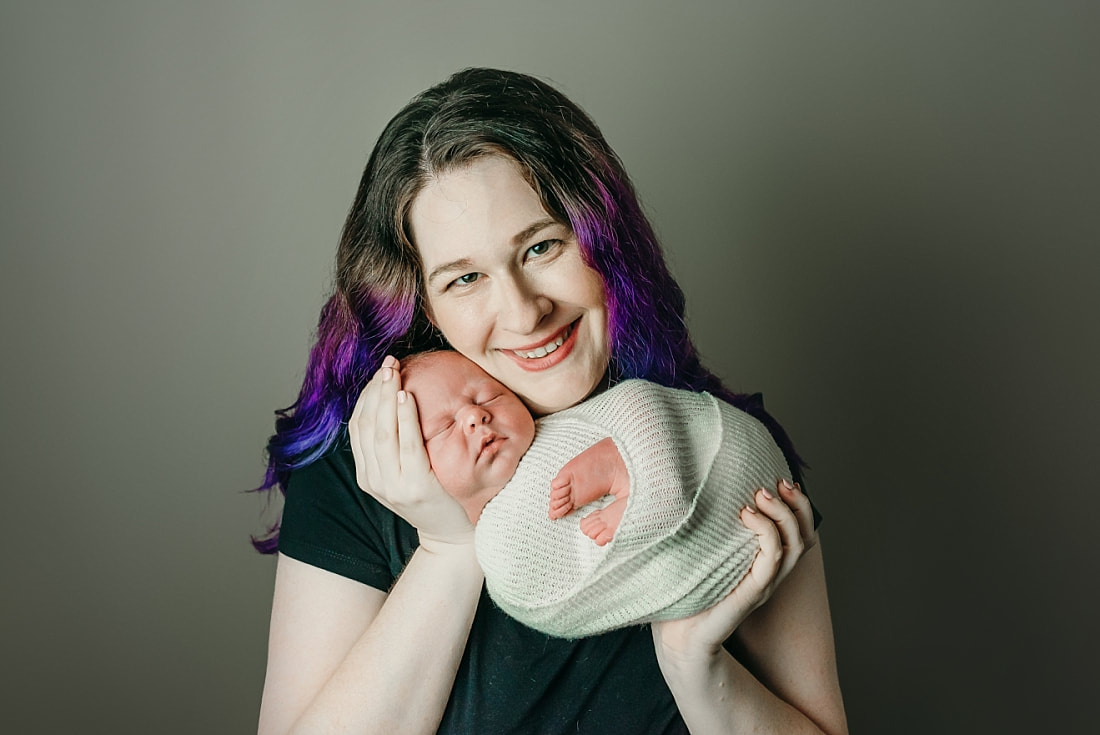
(884, 216)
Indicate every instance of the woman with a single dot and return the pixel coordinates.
(493, 215)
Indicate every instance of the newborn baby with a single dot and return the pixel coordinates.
(476, 430)
(662, 473)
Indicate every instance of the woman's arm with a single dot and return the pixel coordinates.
(316, 618)
(344, 657)
(787, 641)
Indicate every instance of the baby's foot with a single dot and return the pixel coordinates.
(561, 495)
(600, 525)
(592, 474)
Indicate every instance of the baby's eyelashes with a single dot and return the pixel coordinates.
(436, 431)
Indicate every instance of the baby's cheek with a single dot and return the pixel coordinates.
(433, 453)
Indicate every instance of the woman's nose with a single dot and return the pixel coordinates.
(473, 417)
(521, 306)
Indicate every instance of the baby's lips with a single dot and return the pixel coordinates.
(486, 440)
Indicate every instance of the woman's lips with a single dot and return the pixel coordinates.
(547, 354)
(545, 347)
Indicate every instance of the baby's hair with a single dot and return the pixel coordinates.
(411, 362)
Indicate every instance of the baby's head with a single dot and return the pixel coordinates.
(475, 430)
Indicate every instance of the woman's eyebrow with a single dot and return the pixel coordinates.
(462, 264)
(531, 230)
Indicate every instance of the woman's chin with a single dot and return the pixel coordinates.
(565, 392)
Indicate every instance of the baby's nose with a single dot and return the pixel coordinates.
(476, 416)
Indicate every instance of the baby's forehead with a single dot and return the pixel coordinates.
(448, 381)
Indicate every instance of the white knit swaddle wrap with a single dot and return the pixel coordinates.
(694, 462)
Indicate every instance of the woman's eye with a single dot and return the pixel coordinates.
(541, 248)
(466, 280)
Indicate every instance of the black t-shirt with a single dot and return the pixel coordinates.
(511, 679)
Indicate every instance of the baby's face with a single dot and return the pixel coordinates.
(475, 429)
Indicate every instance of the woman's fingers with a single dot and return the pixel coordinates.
(384, 443)
(781, 532)
(793, 496)
(414, 457)
(361, 431)
(768, 560)
(785, 521)
(361, 435)
(704, 632)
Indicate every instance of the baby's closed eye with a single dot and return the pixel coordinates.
(438, 430)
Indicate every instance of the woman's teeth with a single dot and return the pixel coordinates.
(546, 349)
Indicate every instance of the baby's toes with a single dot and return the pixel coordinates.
(560, 507)
(561, 496)
(592, 525)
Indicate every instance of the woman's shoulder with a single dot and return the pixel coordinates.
(634, 395)
(329, 522)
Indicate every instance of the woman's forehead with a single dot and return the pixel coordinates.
(486, 204)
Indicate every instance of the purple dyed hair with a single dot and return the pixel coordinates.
(378, 306)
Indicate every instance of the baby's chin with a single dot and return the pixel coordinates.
(474, 501)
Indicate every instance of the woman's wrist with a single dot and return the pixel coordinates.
(684, 659)
(711, 689)
(458, 552)
(459, 543)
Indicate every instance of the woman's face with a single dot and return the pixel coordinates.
(507, 285)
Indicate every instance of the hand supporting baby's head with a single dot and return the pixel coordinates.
(475, 430)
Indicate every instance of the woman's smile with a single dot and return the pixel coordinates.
(547, 354)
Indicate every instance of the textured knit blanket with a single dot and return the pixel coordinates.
(694, 462)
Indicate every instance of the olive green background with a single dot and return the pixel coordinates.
(885, 216)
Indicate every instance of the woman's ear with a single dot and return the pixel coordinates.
(428, 313)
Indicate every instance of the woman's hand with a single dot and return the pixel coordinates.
(784, 525)
(392, 465)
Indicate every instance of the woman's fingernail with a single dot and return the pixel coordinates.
(389, 362)
(750, 510)
(787, 484)
(401, 395)
(766, 493)
(387, 373)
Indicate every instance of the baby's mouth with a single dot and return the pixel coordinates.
(489, 444)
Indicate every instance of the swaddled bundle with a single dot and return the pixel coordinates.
(694, 462)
